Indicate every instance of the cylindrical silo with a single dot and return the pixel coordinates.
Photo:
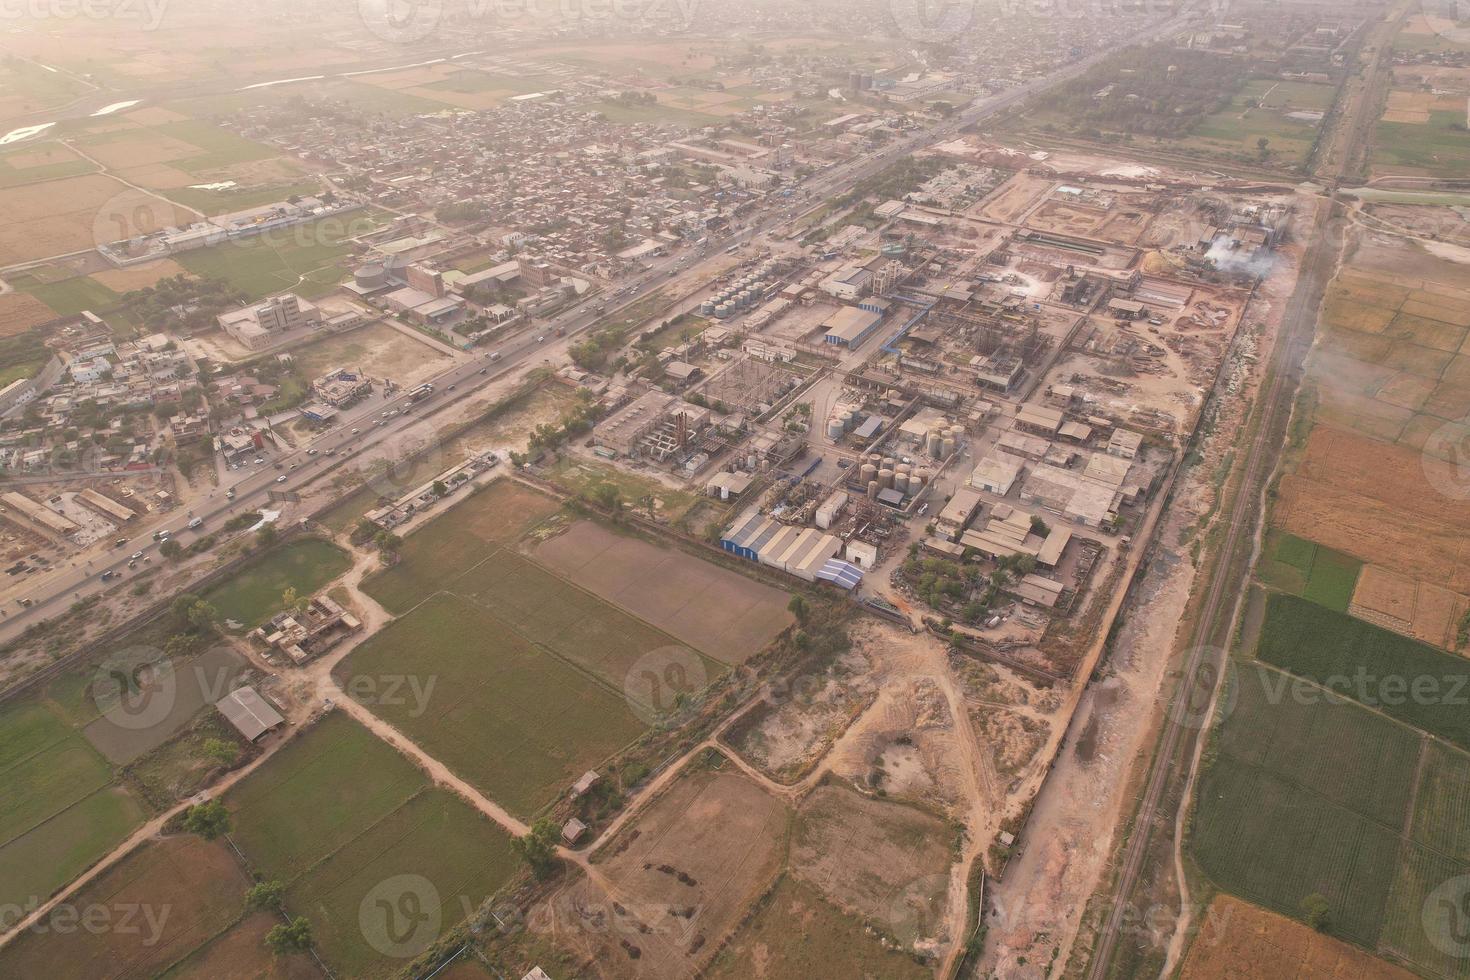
(869, 473)
(872, 489)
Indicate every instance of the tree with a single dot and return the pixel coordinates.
(608, 497)
(220, 750)
(266, 895)
(292, 601)
(798, 608)
(1264, 146)
(208, 820)
(538, 847)
(171, 549)
(195, 611)
(1317, 911)
(292, 938)
(438, 489)
(266, 536)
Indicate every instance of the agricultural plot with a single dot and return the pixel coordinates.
(59, 216)
(1305, 798)
(797, 934)
(40, 162)
(1388, 361)
(518, 723)
(241, 954)
(253, 594)
(456, 541)
(1376, 502)
(1409, 681)
(714, 610)
(59, 809)
(449, 856)
(576, 625)
(312, 797)
(1239, 941)
(162, 901)
(1302, 568)
(311, 820)
(130, 723)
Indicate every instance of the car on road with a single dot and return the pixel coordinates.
(356, 431)
(230, 494)
(135, 556)
(280, 479)
(451, 387)
(541, 339)
(331, 452)
(311, 452)
(493, 357)
(484, 370)
(107, 575)
(120, 542)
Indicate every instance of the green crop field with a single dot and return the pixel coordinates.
(1304, 568)
(58, 808)
(253, 594)
(515, 721)
(1304, 798)
(1436, 147)
(457, 541)
(435, 836)
(1441, 819)
(561, 617)
(1410, 681)
(306, 259)
(318, 793)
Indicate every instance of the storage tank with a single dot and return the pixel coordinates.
(869, 473)
(935, 443)
(885, 478)
(371, 276)
(873, 490)
(948, 448)
(707, 307)
(723, 311)
(834, 428)
(957, 432)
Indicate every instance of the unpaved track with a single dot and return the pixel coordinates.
(1181, 736)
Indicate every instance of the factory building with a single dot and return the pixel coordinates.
(850, 326)
(273, 321)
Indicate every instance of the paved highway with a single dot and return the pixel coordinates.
(358, 430)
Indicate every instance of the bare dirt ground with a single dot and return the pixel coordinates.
(682, 876)
(884, 862)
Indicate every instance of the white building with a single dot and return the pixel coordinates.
(274, 321)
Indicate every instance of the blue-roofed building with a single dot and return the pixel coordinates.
(843, 574)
